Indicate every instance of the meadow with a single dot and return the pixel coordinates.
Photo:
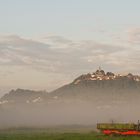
(56, 134)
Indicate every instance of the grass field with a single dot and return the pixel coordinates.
(50, 134)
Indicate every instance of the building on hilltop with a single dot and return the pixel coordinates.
(100, 72)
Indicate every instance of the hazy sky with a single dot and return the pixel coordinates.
(46, 43)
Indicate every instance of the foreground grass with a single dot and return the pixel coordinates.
(44, 135)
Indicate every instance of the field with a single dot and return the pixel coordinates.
(58, 134)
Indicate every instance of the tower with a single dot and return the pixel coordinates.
(100, 68)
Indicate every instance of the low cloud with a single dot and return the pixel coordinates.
(134, 36)
(60, 60)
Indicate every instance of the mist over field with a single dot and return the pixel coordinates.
(67, 114)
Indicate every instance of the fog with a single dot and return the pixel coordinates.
(66, 113)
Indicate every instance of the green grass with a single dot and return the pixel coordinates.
(48, 135)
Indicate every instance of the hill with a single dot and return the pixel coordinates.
(88, 87)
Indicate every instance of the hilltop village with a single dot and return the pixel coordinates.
(101, 75)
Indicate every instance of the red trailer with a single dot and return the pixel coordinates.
(119, 128)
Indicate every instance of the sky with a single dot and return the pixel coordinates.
(45, 44)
